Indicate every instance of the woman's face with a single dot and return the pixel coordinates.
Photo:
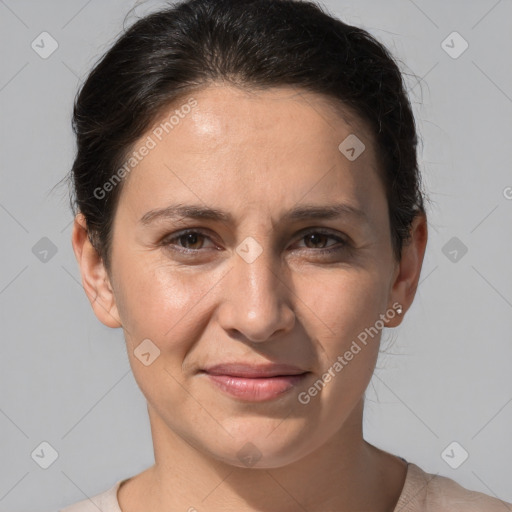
(265, 277)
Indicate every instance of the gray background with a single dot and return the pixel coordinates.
(65, 378)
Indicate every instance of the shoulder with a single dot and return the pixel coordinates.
(435, 493)
(105, 501)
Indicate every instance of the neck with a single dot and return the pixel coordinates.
(345, 474)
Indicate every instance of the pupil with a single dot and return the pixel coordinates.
(315, 238)
(191, 238)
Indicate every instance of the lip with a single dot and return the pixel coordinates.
(253, 371)
(255, 383)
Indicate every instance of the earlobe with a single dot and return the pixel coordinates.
(409, 269)
(95, 279)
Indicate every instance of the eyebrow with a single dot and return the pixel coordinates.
(306, 212)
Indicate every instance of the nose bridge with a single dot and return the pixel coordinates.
(255, 266)
(257, 305)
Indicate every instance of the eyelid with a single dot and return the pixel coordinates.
(324, 231)
(167, 239)
(340, 238)
(342, 241)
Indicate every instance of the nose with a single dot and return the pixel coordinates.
(256, 302)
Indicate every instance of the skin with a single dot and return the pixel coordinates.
(255, 155)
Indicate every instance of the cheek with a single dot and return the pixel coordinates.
(159, 302)
(342, 303)
(172, 305)
(344, 306)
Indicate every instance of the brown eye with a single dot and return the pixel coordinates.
(185, 241)
(317, 241)
(193, 239)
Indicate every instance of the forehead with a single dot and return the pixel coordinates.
(225, 115)
(268, 148)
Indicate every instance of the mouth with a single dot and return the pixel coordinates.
(255, 383)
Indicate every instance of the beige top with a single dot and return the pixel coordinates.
(422, 492)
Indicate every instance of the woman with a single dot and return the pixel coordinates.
(248, 208)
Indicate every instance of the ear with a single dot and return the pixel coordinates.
(95, 280)
(408, 271)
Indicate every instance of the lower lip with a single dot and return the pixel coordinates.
(256, 389)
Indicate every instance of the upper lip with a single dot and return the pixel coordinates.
(253, 370)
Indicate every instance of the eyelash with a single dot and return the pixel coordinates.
(167, 241)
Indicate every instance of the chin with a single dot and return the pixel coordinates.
(263, 443)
